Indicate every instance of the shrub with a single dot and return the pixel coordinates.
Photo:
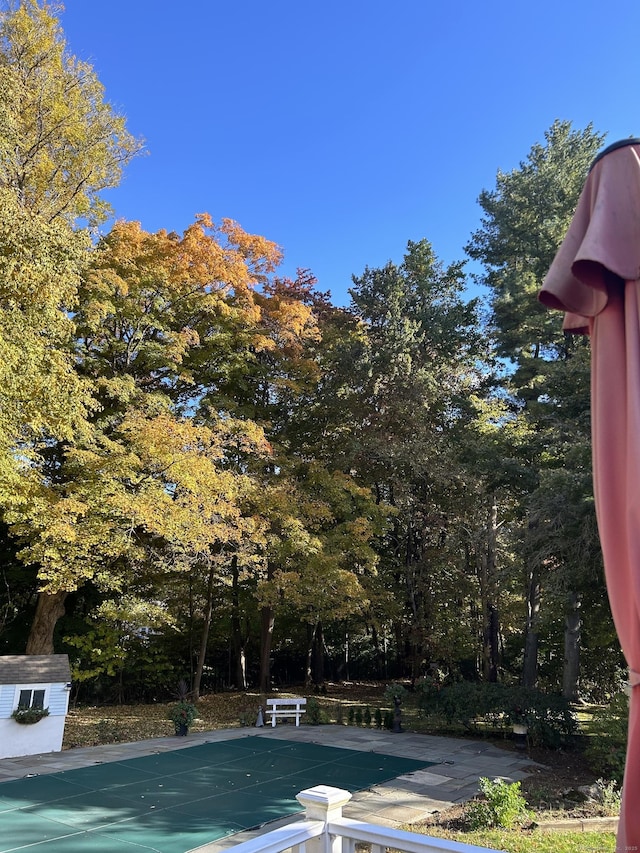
(378, 718)
(315, 714)
(393, 690)
(478, 705)
(464, 702)
(607, 747)
(358, 716)
(388, 720)
(246, 717)
(503, 805)
(367, 717)
(609, 797)
(427, 690)
(183, 713)
(549, 718)
(108, 731)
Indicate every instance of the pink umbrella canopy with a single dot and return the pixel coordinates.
(595, 280)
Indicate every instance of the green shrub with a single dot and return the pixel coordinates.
(378, 718)
(393, 690)
(388, 720)
(503, 805)
(466, 703)
(427, 691)
(609, 797)
(358, 716)
(246, 717)
(481, 705)
(108, 731)
(315, 715)
(352, 715)
(183, 713)
(607, 747)
(367, 717)
(549, 718)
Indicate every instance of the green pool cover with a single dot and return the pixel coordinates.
(174, 801)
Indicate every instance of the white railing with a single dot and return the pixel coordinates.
(324, 830)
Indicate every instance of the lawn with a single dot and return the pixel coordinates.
(513, 841)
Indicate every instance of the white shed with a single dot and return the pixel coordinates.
(38, 682)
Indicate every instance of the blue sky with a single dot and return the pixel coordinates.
(340, 129)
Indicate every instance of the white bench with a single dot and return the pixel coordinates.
(286, 708)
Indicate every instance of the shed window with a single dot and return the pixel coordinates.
(31, 699)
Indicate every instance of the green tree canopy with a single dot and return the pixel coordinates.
(525, 219)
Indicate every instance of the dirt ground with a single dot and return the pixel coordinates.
(552, 791)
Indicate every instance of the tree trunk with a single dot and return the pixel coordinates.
(345, 667)
(311, 633)
(318, 675)
(400, 655)
(572, 631)
(204, 639)
(241, 666)
(488, 591)
(530, 665)
(493, 644)
(239, 641)
(192, 652)
(267, 616)
(49, 609)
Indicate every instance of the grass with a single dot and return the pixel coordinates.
(531, 841)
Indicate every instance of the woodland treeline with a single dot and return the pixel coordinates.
(209, 469)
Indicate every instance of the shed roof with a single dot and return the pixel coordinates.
(34, 669)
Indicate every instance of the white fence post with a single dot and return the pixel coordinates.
(324, 803)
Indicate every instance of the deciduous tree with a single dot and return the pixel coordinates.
(61, 143)
(150, 309)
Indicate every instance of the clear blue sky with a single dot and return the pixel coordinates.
(340, 129)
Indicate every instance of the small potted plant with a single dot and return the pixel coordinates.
(183, 713)
(29, 716)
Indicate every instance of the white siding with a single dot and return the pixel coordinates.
(7, 692)
(58, 700)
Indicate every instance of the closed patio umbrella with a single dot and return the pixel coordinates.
(595, 280)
